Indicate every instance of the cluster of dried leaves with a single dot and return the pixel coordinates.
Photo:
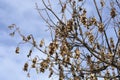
(82, 47)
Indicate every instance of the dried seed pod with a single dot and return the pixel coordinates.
(77, 51)
(84, 20)
(113, 12)
(69, 25)
(11, 26)
(102, 3)
(100, 27)
(12, 34)
(91, 38)
(44, 64)
(89, 59)
(52, 48)
(102, 53)
(34, 60)
(17, 50)
(110, 56)
(33, 65)
(41, 42)
(112, 43)
(42, 70)
(93, 20)
(25, 67)
(29, 37)
(92, 77)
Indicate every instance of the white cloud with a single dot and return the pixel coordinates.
(11, 65)
(10, 70)
(24, 15)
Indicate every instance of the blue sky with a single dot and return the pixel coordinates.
(24, 15)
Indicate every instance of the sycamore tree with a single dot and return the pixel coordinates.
(85, 45)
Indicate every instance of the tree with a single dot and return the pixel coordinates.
(84, 46)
